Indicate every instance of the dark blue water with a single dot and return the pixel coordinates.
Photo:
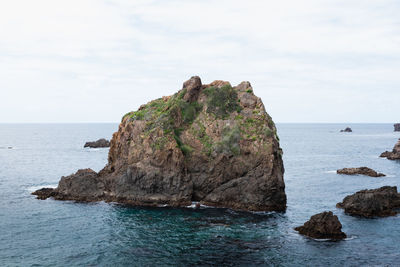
(56, 233)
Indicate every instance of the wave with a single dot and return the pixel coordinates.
(37, 187)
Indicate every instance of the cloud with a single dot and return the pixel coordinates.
(95, 60)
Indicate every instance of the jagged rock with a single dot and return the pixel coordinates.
(212, 144)
(45, 193)
(394, 154)
(397, 127)
(361, 170)
(99, 143)
(379, 202)
(347, 130)
(193, 87)
(324, 225)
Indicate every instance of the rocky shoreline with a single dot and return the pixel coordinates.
(213, 144)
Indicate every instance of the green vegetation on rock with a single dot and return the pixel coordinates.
(171, 115)
(222, 101)
(230, 141)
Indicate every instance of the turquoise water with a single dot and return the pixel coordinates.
(56, 233)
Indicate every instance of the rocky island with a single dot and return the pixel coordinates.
(394, 154)
(347, 130)
(324, 225)
(397, 127)
(379, 202)
(214, 144)
(99, 143)
(361, 170)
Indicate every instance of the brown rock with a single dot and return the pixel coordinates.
(379, 202)
(192, 87)
(394, 154)
(324, 225)
(397, 127)
(99, 143)
(201, 144)
(44, 193)
(218, 83)
(361, 170)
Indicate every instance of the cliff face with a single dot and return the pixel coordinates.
(209, 143)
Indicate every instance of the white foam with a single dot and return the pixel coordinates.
(330, 172)
(350, 238)
(37, 187)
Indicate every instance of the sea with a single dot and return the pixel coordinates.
(65, 233)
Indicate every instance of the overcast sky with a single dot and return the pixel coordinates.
(93, 61)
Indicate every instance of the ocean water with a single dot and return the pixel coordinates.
(57, 233)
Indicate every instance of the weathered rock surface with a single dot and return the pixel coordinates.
(213, 144)
(324, 225)
(379, 202)
(44, 193)
(397, 127)
(347, 130)
(99, 143)
(361, 170)
(394, 154)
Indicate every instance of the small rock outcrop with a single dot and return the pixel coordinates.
(211, 144)
(99, 143)
(361, 170)
(397, 127)
(394, 154)
(347, 130)
(379, 202)
(324, 225)
(44, 193)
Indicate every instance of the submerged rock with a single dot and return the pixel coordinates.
(379, 202)
(361, 170)
(324, 225)
(397, 127)
(394, 154)
(347, 130)
(99, 143)
(213, 144)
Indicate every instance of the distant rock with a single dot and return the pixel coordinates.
(394, 154)
(324, 225)
(379, 202)
(397, 127)
(99, 143)
(347, 130)
(361, 170)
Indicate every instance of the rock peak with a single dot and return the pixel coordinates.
(192, 87)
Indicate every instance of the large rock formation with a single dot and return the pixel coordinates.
(361, 170)
(379, 202)
(99, 143)
(394, 154)
(214, 144)
(397, 127)
(324, 225)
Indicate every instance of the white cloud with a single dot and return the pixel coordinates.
(95, 60)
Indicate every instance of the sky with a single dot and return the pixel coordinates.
(94, 61)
